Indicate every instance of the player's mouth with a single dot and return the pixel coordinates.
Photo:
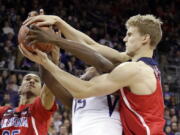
(31, 85)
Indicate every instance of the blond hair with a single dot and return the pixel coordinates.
(147, 24)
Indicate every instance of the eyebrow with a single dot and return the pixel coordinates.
(28, 76)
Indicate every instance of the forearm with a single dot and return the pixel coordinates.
(56, 88)
(113, 55)
(71, 33)
(74, 85)
(47, 98)
(75, 35)
(86, 54)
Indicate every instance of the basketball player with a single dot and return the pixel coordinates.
(96, 115)
(35, 108)
(141, 102)
(90, 115)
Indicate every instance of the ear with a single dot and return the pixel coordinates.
(146, 39)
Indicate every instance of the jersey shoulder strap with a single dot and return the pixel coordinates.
(152, 63)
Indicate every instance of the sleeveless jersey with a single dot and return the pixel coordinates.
(29, 119)
(96, 116)
(143, 114)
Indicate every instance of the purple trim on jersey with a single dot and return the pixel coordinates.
(148, 61)
(151, 62)
(111, 104)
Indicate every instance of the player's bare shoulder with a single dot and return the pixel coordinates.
(131, 67)
(125, 71)
(144, 68)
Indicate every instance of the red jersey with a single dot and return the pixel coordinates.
(29, 119)
(142, 114)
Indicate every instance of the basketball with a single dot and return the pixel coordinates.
(23, 31)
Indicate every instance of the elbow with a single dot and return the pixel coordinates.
(106, 68)
(80, 96)
(83, 93)
(105, 65)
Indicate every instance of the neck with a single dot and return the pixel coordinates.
(26, 99)
(143, 53)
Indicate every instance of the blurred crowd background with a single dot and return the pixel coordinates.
(103, 20)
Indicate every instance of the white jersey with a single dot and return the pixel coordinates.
(96, 116)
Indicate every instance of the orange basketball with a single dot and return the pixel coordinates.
(45, 47)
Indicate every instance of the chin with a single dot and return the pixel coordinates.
(131, 54)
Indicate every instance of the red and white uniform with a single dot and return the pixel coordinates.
(29, 119)
(142, 114)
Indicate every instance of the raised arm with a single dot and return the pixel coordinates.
(83, 52)
(71, 33)
(57, 89)
(102, 85)
(105, 84)
(47, 98)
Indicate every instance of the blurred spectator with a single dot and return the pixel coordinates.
(7, 28)
(63, 130)
(168, 130)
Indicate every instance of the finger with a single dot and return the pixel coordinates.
(22, 50)
(30, 56)
(27, 20)
(34, 27)
(30, 38)
(34, 30)
(55, 49)
(32, 13)
(40, 53)
(26, 53)
(51, 29)
(55, 52)
(33, 42)
(42, 24)
(32, 20)
(59, 33)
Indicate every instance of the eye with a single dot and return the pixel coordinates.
(28, 79)
(129, 34)
(36, 80)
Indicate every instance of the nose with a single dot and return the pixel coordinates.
(125, 39)
(32, 81)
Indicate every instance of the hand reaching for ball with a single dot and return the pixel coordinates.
(33, 37)
(39, 35)
(43, 20)
(38, 56)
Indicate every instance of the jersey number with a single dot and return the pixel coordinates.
(14, 132)
(79, 103)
